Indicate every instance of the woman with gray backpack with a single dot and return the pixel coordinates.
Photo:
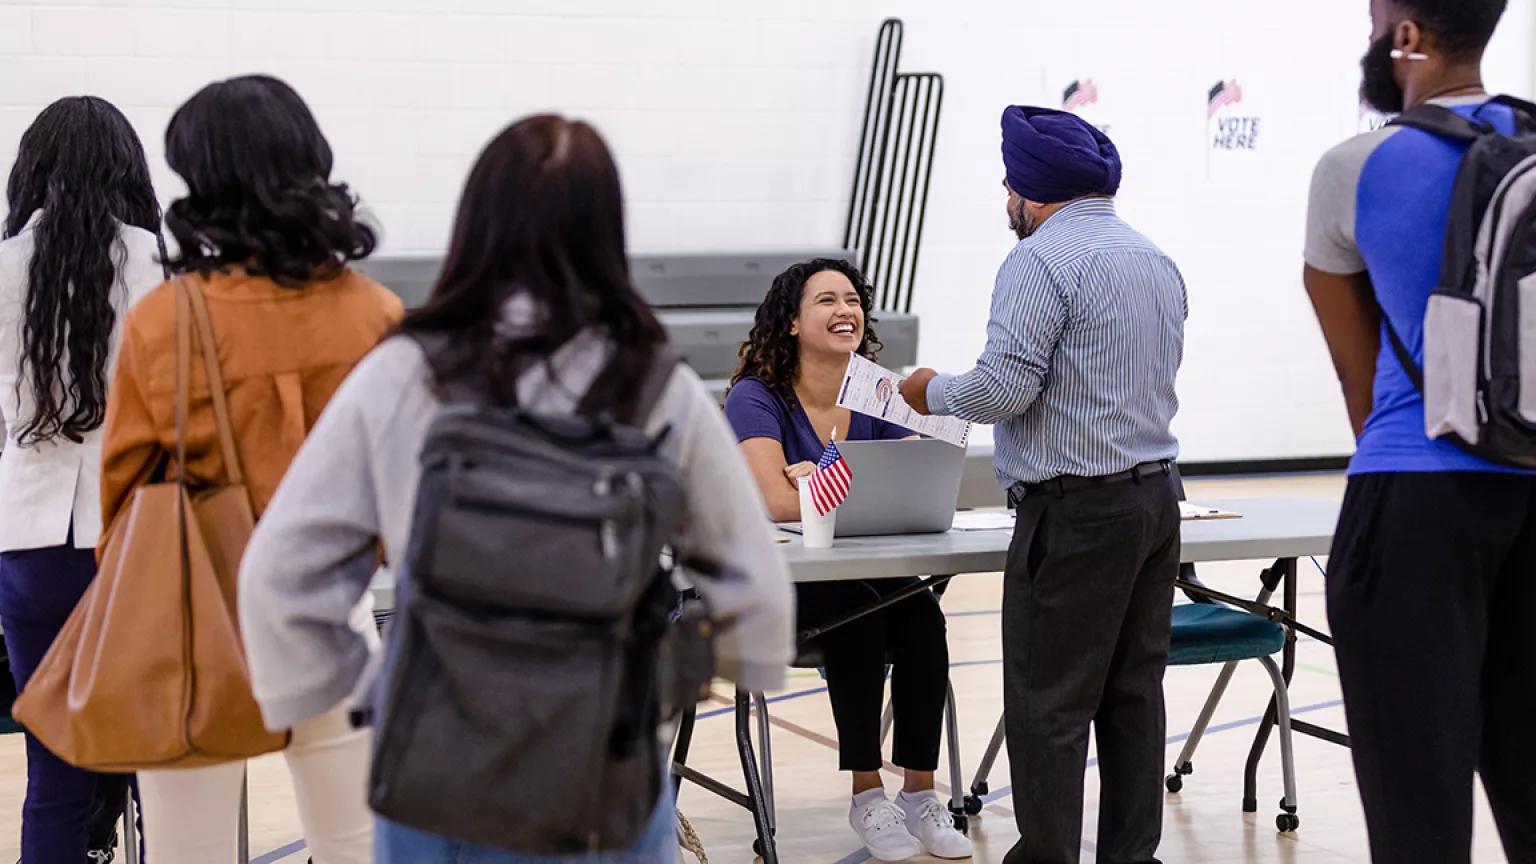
(532, 462)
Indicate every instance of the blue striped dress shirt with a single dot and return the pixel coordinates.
(1083, 346)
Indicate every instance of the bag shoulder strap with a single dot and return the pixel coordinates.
(183, 377)
(1525, 112)
(1442, 121)
(200, 320)
(1404, 356)
(663, 361)
(655, 383)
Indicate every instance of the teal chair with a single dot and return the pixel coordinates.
(1208, 633)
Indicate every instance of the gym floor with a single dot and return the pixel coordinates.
(1204, 823)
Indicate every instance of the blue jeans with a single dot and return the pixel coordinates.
(397, 844)
(38, 590)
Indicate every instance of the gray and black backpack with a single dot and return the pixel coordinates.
(539, 644)
(1479, 374)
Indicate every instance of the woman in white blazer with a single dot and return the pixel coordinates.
(81, 242)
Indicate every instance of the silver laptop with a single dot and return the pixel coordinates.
(899, 487)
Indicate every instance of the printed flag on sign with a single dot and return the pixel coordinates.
(830, 483)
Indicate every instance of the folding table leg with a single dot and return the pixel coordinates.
(765, 746)
(130, 829)
(243, 850)
(765, 845)
(957, 806)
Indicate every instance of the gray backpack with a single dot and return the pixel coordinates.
(1479, 373)
(537, 649)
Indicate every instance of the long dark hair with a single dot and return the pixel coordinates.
(542, 215)
(771, 353)
(259, 190)
(81, 164)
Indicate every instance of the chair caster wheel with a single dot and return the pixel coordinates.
(1287, 823)
(962, 823)
(1175, 783)
(973, 805)
(980, 790)
(757, 848)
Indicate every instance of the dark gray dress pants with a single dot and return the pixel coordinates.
(1086, 599)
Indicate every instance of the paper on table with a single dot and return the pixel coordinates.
(984, 520)
(1188, 511)
(869, 389)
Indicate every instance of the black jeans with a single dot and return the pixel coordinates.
(1086, 604)
(908, 635)
(1432, 603)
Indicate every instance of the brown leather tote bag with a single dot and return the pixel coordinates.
(149, 671)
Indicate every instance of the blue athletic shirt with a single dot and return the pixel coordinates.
(1380, 203)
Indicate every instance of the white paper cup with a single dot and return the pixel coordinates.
(814, 527)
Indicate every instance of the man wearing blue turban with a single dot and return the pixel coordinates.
(1084, 342)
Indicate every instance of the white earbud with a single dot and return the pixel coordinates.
(1400, 54)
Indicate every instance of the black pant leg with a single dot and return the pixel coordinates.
(854, 657)
(38, 590)
(1508, 759)
(1071, 574)
(919, 679)
(1131, 724)
(1408, 589)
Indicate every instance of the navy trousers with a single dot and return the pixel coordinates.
(38, 590)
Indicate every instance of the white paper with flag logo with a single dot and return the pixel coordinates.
(869, 389)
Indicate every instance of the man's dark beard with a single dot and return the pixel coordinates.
(1022, 225)
(1377, 86)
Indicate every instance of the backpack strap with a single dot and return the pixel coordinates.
(1442, 121)
(1525, 112)
(431, 343)
(655, 383)
(1404, 356)
(651, 387)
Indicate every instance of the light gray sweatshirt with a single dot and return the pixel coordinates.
(354, 483)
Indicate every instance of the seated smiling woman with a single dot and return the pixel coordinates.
(783, 407)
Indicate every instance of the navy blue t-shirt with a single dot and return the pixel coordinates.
(755, 411)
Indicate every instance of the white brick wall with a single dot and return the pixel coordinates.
(735, 124)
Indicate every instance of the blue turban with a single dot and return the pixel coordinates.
(1054, 156)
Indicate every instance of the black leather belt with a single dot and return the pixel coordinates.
(1059, 486)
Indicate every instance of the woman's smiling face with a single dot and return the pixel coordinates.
(831, 319)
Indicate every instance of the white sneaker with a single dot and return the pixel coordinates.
(929, 820)
(879, 824)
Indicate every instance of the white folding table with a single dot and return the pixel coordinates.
(1281, 530)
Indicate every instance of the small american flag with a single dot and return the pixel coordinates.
(830, 484)
(1080, 93)
(1223, 94)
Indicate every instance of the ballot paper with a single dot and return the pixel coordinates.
(869, 389)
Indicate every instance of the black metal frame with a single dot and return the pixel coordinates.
(888, 203)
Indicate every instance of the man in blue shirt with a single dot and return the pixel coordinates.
(1432, 582)
(1083, 345)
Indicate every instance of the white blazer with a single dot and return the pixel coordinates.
(43, 487)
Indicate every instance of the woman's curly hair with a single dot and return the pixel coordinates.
(771, 353)
(259, 189)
